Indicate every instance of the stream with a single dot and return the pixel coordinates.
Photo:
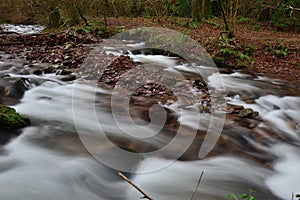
(63, 156)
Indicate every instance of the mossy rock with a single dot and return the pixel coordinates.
(10, 119)
(248, 113)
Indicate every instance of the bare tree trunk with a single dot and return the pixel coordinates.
(82, 16)
(230, 33)
(105, 15)
(203, 8)
(196, 13)
(54, 18)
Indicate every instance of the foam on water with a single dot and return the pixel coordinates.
(30, 171)
(57, 103)
(23, 29)
(222, 175)
(235, 82)
(283, 113)
(155, 59)
(286, 179)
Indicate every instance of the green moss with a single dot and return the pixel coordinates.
(10, 119)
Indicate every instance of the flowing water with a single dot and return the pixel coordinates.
(48, 160)
(22, 29)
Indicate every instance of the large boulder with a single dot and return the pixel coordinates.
(10, 119)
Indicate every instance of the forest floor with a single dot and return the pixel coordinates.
(257, 47)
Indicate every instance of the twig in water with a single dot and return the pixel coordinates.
(196, 188)
(135, 186)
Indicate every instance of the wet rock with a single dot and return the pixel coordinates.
(25, 72)
(38, 72)
(6, 66)
(239, 116)
(11, 57)
(12, 89)
(18, 88)
(116, 69)
(154, 84)
(10, 119)
(57, 61)
(248, 113)
(199, 83)
(234, 109)
(45, 98)
(157, 92)
(49, 70)
(64, 72)
(225, 70)
(67, 57)
(70, 77)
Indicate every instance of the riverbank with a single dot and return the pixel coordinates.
(257, 48)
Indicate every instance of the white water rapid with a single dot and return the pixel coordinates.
(48, 160)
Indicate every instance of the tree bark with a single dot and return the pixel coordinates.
(230, 33)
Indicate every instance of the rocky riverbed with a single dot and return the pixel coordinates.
(26, 58)
(108, 104)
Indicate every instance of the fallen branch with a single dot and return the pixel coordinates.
(196, 188)
(135, 186)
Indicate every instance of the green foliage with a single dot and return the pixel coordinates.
(233, 57)
(228, 52)
(244, 19)
(184, 8)
(281, 53)
(248, 50)
(220, 62)
(194, 24)
(282, 15)
(86, 29)
(241, 197)
(256, 27)
(119, 29)
(278, 50)
(244, 56)
(212, 23)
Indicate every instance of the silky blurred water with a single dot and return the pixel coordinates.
(49, 161)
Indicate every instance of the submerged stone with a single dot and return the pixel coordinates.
(10, 119)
